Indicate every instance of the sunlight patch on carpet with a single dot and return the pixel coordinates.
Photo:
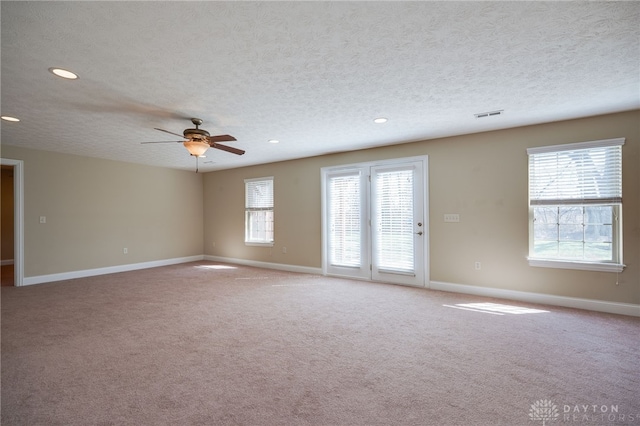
(496, 308)
(216, 267)
(296, 285)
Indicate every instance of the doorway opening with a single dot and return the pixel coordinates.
(7, 226)
(11, 230)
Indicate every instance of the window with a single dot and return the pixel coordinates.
(258, 211)
(575, 205)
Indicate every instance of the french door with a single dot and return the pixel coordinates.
(375, 224)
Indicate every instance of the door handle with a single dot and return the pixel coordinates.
(419, 233)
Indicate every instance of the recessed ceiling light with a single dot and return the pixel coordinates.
(379, 120)
(9, 118)
(63, 73)
(274, 141)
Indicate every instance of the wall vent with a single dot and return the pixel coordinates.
(489, 114)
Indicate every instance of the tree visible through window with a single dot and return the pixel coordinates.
(259, 211)
(575, 200)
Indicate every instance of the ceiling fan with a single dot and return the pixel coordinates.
(198, 141)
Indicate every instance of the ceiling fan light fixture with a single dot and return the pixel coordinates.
(196, 148)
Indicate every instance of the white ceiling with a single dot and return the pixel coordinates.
(313, 75)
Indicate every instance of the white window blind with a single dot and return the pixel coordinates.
(259, 210)
(259, 194)
(345, 221)
(394, 219)
(586, 173)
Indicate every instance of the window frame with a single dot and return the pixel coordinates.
(248, 210)
(615, 264)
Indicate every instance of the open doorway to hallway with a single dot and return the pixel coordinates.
(7, 225)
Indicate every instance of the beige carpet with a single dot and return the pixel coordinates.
(204, 344)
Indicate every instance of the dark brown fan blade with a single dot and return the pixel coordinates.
(227, 148)
(164, 142)
(171, 133)
(221, 138)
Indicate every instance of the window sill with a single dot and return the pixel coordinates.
(249, 243)
(581, 266)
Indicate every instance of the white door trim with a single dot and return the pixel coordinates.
(18, 224)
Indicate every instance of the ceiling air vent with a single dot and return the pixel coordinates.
(489, 114)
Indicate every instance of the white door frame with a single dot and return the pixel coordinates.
(325, 171)
(362, 270)
(416, 278)
(18, 224)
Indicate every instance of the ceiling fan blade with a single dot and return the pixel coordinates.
(171, 133)
(164, 142)
(228, 149)
(221, 138)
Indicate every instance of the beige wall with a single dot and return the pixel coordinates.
(94, 208)
(6, 233)
(483, 177)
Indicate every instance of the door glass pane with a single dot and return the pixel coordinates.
(394, 219)
(344, 220)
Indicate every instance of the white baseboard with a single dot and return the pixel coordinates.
(6, 262)
(40, 279)
(267, 265)
(545, 299)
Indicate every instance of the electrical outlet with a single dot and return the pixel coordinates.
(451, 217)
(284, 249)
(43, 219)
(478, 266)
(125, 250)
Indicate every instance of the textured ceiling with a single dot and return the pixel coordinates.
(313, 75)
